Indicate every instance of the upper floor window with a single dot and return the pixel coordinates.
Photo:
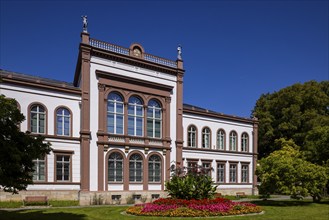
(191, 136)
(38, 119)
(154, 119)
(220, 140)
(135, 168)
(206, 138)
(244, 142)
(63, 119)
(135, 116)
(154, 168)
(115, 167)
(115, 113)
(233, 141)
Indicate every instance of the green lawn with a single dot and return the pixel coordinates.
(273, 210)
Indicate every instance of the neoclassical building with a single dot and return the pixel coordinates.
(119, 127)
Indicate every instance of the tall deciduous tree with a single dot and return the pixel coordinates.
(17, 149)
(286, 171)
(299, 112)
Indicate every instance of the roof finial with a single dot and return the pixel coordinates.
(179, 52)
(85, 23)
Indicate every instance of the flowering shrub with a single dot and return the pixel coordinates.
(193, 208)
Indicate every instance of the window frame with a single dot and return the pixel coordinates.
(209, 169)
(154, 170)
(153, 119)
(63, 153)
(189, 139)
(115, 113)
(236, 141)
(247, 172)
(224, 172)
(235, 171)
(135, 168)
(224, 139)
(135, 116)
(45, 118)
(245, 140)
(70, 121)
(115, 169)
(37, 160)
(203, 135)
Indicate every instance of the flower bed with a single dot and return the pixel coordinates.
(193, 208)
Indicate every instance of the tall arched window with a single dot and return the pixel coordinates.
(135, 168)
(191, 136)
(115, 167)
(115, 113)
(233, 141)
(154, 168)
(206, 138)
(244, 142)
(135, 116)
(63, 120)
(154, 119)
(38, 119)
(220, 139)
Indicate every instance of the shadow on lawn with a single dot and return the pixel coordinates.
(283, 203)
(39, 215)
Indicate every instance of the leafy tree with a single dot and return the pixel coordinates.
(194, 184)
(286, 171)
(299, 112)
(17, 149)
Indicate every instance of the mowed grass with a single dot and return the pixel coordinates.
(288, 209)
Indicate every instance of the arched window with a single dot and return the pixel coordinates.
(115, 113)
(233, 141)
(244, 142)
(135, 168)
(63, 122)
(115, 167)
(38, 119)
(154, 168)
(206, 138)
(191, 136)
(220, 140)
(154, 119)
(135, 116)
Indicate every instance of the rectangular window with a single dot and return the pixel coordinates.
(192, 166)
(207, 168)
(220, 172)
(233, 173)
(63, 163)
(39, 170)
(244, 173)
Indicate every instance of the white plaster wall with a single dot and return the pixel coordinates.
(115, 187)
(27, 95)
(215, 124)
(53, 187)
(135, 187)
(154, 187)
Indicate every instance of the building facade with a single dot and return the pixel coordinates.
(121, 125)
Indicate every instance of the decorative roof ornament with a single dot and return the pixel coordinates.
(179, 52)
(84, 23)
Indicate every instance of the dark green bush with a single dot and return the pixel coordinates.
(194, 184)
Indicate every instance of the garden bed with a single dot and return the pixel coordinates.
(193, 208)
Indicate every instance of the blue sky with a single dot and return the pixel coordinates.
(233, 51)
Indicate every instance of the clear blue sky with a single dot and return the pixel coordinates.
(233, 51)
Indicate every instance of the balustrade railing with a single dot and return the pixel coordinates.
(125, 51)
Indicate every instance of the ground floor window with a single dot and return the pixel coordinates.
(115, 167)
(39, 168)
(233, 177)
(135, 168)
(63, 164)
(192, 166)
(244, 173)
(154, 166)
(206, 166)
(220, 172)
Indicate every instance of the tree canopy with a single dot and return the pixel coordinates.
(299, 112)
(17, 149)
(286, 171)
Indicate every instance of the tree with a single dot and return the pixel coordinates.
(194, 184)
(286, 171)
(299, 112)
(17, 149)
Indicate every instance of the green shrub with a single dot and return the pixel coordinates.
(194, 184)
